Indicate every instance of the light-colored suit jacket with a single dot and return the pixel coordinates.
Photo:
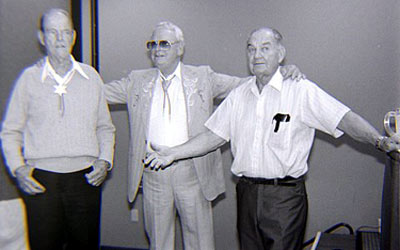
(201, 85)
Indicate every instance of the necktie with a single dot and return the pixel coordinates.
(165, 83)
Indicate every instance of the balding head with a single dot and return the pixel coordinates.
(275, 33)
(265, 52)
(51, 12)
(57, 34)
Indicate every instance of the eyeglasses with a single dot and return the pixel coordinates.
(162, 44)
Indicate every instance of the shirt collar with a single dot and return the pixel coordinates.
(275, 82)
(49, 70)
(177, 73)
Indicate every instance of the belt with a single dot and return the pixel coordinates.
(287, 181)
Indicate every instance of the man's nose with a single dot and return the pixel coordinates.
(158, 50)
(158, 47)
(59, 36)
(257, 53)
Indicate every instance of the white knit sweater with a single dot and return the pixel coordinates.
(35, 132)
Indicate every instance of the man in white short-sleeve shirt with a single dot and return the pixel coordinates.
(271, 123)
(272, 134)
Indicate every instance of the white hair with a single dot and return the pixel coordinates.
(170, 26)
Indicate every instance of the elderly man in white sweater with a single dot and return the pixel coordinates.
(58, 141)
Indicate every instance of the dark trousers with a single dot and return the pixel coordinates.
(271, 217)
(67, 215)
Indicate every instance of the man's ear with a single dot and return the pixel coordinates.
(181, 48)
(40, 37)
(282, 54)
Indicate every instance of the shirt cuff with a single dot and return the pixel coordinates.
(336, 133)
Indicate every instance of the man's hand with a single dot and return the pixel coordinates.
(157, 157)
(98, 174)
(26, 182)
(293, 72)
(389, 144)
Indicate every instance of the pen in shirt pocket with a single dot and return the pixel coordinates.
(278, 118)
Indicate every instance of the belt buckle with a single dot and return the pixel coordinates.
(275, 181)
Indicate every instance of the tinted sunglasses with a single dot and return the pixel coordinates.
(162, 44)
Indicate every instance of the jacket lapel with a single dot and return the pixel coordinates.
(148, 82)
(191, 90)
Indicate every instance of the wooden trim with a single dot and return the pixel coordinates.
(76, 14)
(94, 24)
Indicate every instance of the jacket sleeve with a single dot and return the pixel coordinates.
(222, 84)
(116, 92)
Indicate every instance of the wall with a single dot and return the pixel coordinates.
(350, 48)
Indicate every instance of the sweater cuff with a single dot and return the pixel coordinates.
(14, 168)
(108, 160)
(14, 163)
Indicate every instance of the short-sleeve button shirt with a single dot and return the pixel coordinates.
(272, 132)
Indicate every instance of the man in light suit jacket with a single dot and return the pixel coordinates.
(168, 105)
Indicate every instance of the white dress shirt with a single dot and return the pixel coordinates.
(48, 71)
(260, 148)
(168, 125)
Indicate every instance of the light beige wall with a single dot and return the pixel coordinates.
(350, 48)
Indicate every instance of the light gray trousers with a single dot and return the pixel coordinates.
(176, 189)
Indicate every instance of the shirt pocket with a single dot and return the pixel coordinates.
(279, 138)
